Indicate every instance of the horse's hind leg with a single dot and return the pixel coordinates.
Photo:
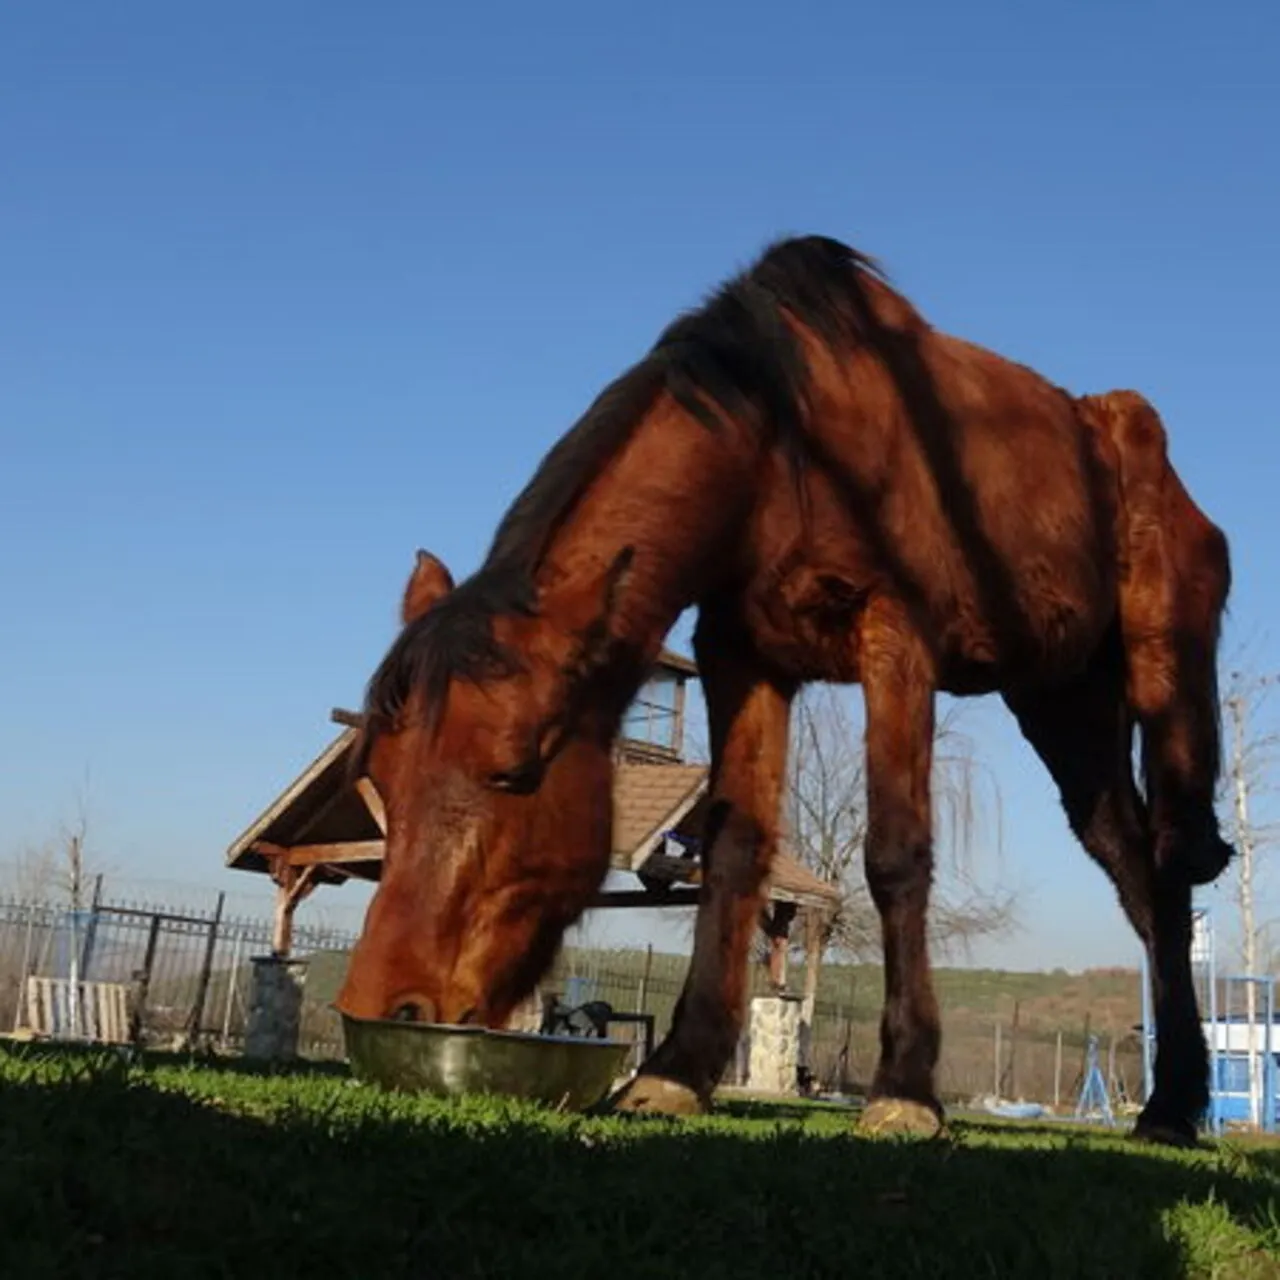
(749, 716)
(1082, 732)
(1173, 688)
(1173, 589)
(898, 690)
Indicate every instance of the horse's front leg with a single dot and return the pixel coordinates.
(898, 687)
(748, 715)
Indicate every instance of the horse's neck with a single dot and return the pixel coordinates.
(676, 493)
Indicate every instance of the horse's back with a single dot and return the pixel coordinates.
(1003, 506)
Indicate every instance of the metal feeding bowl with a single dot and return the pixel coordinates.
(572, 1072)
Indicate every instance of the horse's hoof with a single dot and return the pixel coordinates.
(1202, 860)
(656, 1095)
(900, 1116)
(1165, 1133)
(1208, 863)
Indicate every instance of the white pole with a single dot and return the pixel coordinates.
(231, 988)
(75, 976)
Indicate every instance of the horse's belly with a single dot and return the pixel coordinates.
(1041, 632)
(807, 627)
(808, 624)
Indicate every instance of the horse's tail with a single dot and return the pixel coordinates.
(1174, 581)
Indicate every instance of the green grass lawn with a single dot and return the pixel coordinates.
(165, 1168)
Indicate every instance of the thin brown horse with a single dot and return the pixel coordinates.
(846, 494)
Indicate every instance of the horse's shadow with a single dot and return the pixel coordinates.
(117, 1173)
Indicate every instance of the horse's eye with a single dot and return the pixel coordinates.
(522, 780)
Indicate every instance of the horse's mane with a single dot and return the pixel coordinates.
(734, 355)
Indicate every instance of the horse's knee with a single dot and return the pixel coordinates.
(899, 859)
(736, 849)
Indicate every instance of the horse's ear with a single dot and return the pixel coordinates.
(429, 582)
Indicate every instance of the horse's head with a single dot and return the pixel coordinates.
(488, 736)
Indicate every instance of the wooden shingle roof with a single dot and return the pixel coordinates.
(321, 808)
(649, 799)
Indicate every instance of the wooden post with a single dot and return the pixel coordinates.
(1013, 1051)
(292, 885)
(1084, 1058)
(1057, 1073)
(845, 1023)
(231, 991)
(778, 931)
(778, 961)
(373, 802)
(812, 963)
(996, 1069)
(642, 995)
(282, 922)
(19, 1013)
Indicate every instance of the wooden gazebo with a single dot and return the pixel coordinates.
(322, 829)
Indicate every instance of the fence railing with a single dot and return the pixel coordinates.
(982, 1054)
(188, 977)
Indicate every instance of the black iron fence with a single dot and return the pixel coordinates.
(185, 973)
(985, 1051)
(185, 976)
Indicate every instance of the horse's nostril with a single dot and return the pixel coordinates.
(415, 1009)
(471, 1015)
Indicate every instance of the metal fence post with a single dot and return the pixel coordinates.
(206, 968)
(144, 980)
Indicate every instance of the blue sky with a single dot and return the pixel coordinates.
(287, 290)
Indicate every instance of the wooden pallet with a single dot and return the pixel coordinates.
(103, 1010)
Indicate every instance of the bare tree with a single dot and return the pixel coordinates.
(826, 825)
(34, 873)
(61, 868)
(1249, 779)
(73, 846)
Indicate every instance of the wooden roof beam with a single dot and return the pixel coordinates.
(645, 898)
(310, 855)
(373, 802)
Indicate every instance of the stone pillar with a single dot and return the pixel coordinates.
(275, 1008)
(775, 1044)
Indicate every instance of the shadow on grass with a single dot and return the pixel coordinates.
(98, 1055)
(111, 1171)
(769, 1110)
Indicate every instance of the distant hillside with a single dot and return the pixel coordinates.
(1109, 998)
(1102, 1002)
